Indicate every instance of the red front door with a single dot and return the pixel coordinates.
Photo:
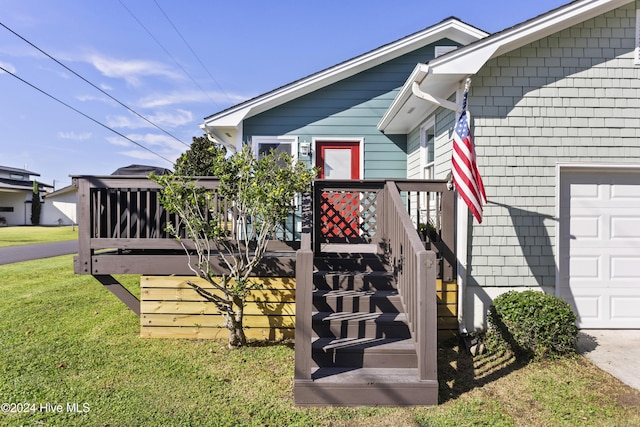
(338, 160)
(340, 210)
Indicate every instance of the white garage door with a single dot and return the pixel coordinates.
(599, 271)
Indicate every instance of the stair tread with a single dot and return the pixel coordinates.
(364, 344)
(354, 293)
(365, 375)
(358, 316)
(375, 273)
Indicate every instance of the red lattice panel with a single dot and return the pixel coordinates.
(348, 214)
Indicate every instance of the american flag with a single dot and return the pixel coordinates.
(466, 176)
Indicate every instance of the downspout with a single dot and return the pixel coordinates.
(415, 88)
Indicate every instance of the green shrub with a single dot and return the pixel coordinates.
(531, 324)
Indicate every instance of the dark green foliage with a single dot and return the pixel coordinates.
(200, 158)
(36, 205)
(532, 325)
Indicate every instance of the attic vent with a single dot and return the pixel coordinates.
(441, 50)
(636, 56)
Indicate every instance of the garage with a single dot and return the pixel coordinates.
(599, 245)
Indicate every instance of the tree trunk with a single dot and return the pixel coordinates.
(235, 326)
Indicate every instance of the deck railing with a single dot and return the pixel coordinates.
(415, 270)
(123, 215)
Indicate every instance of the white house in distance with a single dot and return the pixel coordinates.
(59, 207)
(16, 190)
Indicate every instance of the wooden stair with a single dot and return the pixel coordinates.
(362, 349)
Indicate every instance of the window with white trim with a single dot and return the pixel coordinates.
(427, 149)
(636, 60)
(280, 144)
(427, 167)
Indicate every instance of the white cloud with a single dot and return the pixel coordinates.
(180, 97)
(119, 141)
(126, 122)
(163, 119)
(161, 144)
(131, 70)
(9, 67)
(75, 136)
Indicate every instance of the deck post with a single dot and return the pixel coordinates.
(83, 213)
(304, 292)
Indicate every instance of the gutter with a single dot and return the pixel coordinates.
(419, 93)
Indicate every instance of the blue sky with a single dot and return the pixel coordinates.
(130, 50)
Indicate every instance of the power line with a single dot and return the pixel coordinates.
(85, 115)
(168, 53)
(93, 85)
(193, 52)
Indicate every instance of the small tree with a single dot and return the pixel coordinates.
(199, 159)
(36, 204)
(260, 192)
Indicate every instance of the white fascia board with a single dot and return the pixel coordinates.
(451, 29)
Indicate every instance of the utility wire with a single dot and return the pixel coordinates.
(193, 52)
(90, 83)
(85, 115)
(168, 53)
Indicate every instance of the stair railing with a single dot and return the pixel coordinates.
(415, 268)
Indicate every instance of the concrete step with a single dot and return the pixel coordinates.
(357, 301)
(364, 352)
(354, 280)
(365, 386)
(359, 325)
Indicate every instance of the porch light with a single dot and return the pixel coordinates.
(305, 148)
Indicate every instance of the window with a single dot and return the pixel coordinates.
(636, 60)
(280, 144)
(427, 166)
(427, 149)
(18, 177)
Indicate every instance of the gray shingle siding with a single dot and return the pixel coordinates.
(571, 97)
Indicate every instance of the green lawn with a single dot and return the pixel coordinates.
(26, 235)
(67, 341)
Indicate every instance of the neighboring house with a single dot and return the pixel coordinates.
(555, 107)
(16, 191)
(59, 207)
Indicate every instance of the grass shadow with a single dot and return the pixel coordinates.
(459, 372)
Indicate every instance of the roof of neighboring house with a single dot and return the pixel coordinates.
(13, 185)
(17, 170)
(223, 126)
(141, 170)
(61, 191)
(443, 75)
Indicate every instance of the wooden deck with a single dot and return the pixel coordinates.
(370, 269)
